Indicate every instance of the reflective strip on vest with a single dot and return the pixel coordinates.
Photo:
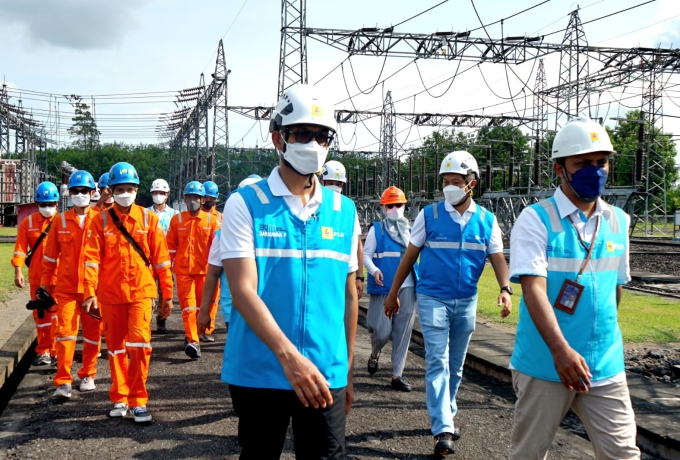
(146, 218)
(179, 217)
(44, 324)
(337, 202)
(327, 254)
(553, 215)
(116, 352)
(63, 220)
(91, 342)
(297, 254)
(474, 246)
(164, 264)
(172, 250)
(442, 244)
(67, 339)
(17, 253)
(266, 252)
(209, 217)
(614, 225)
(137, 345)
(30, 221)
(260, 194)
(435, 212)
(380, 255)
(54, 261)
(92, 265)
(483, 212)
(104, 219)
(571, 265)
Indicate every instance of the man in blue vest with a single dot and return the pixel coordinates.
(570, 253)
(289, 251)
(453, 238)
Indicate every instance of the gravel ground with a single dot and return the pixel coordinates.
(193, 416)
(659, 364)
(655, 263)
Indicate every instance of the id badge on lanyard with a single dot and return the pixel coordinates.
(567, 299)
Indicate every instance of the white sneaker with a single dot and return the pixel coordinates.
(63, 391)
(119, 410)
(87, 384)
(207, 338)
(42, 360)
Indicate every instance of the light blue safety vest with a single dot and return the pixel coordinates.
(225, 293)
(302, 271)
(593, 329)
(164, 217)
(387, 256)
(452, 260)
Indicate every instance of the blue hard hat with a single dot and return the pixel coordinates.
(194, 188)
(211, 189)
(81, 178)
(123, 173)
(103, 180)
(46, 192)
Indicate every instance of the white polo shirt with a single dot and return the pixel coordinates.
(419, 233)
(238, 239)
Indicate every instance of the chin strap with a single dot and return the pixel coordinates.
(310, 184)
(578, 195)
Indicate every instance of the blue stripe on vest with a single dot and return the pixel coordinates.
(452, 261)
(302, 270)
(593, 330)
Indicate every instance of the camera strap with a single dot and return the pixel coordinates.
(128, 237)
(38, 242)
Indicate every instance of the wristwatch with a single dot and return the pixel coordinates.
(507, 289)
(360, 278)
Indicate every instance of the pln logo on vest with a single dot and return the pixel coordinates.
(327, 233)
(611, 246)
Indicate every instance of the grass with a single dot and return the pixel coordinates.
(8, 231)
(642, 317)
(7, 288)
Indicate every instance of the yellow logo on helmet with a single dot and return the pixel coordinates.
(594, 137)
(447, 165)
(123, 171)
(317, 111)
(337, 174)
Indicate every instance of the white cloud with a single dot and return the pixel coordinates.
(74, 24)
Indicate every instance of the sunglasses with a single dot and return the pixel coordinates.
(47, 205)
(304, 136)
(79, 191)
(397, 205)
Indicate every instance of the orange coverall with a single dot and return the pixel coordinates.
(29, 232)
(65, 245)
(115, 271)
(189, 239)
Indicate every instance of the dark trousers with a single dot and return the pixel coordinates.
(264, 415)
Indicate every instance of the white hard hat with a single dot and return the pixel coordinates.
(334, 170)
(160, 185)
(579, 136)
(302, 104)
(460, 162)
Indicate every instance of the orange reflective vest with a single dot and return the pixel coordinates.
(65, 246)
(29, 232)
(189, 239)
(115, 266)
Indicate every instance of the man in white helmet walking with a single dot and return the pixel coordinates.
(570, 253)
(290, 348)
(453, 239)
(160, 191)
(334, 177)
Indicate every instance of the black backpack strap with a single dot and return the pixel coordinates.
(126, 234)
(37, 244)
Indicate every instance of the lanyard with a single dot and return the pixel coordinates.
(589, 249)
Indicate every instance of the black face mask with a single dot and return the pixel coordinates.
(208, 205)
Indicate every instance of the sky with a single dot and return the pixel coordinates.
(150, 49)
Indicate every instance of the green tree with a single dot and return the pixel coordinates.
(84, 128)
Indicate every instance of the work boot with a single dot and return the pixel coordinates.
(193, 350)
(141, 414)
(87, 384)
(443, 445)
(63, 391)
(160, 326)
(456, 434)
(207, 338)
(373, 364)
(42, 360)
(53, 361)
(119, 410)
(401, 384)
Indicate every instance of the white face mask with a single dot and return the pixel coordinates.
(158, 199)
(305, 158)
(80, 200)
(193, 205)
(125, 199)
(394, 214)
(48, 212)
(109, 200)
(454, 194)
(335, 188)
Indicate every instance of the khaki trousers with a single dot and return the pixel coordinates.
(606, 412)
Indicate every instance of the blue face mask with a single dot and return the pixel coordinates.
(588, 183)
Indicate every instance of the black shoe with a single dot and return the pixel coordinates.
(373, 364)
(443, 445)
(456, 434)
(400, 384)
(193, 350)
(160, 326)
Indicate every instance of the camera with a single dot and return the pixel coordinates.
(43, 302)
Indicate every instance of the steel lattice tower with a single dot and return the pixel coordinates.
(220, 166)
(4, 122)
(388, 129)
(573, 67)
(293, 52)
(544, 176)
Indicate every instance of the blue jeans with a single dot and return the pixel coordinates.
(447, 326)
